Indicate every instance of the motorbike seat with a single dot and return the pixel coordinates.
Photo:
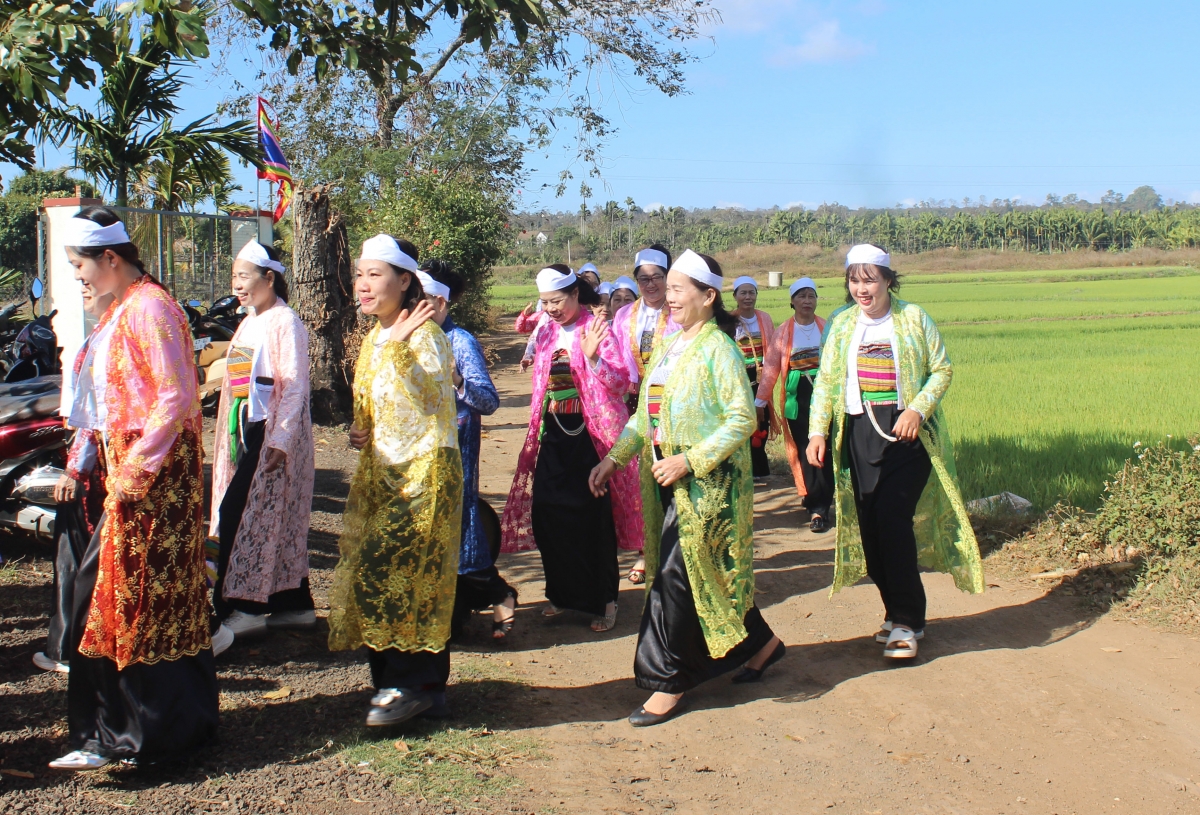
(30, 399)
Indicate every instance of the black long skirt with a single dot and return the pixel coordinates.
(760, 463)
(146, 712)
(672, 655)
(573, 529)
(818, 481)
(71, 537)
(233, 506)
(888, 479)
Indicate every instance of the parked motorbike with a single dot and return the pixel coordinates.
(34, 351)
(33, 444)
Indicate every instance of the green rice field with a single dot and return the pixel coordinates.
(1056, 374)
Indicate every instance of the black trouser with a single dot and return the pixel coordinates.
(818, 481)
(415, 670)
(70, 531)
(760, 463)
(148, 712)
(233, 505)
(888, 479)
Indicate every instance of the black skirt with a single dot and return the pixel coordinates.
(672, 655)
(818, 481)
(233, 506)
(146, 712)
(573, 529)
(760, 463)
(414, 670)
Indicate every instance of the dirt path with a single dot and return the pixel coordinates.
(1021, 701)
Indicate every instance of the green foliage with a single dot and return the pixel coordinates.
(1153, 503)
(49, 184)
(130, 138)
(453, 219)
(18, 232)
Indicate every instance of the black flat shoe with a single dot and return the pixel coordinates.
(644, 718)
(817, 524)
(753, 675)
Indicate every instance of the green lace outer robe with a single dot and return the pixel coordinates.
(707, 412)
(395, 582)
(945, 539)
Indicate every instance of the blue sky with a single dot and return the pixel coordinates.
(875, 102)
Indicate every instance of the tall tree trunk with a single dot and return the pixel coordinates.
(324, 301)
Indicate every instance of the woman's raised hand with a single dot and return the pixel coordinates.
(410, 321)
(594, 333)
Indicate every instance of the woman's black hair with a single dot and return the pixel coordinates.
(658, 247)
(277, 282)
(443, 272)
(126, 251)
(724, 320)
(587, 295)
(893, 279)
(415, 293)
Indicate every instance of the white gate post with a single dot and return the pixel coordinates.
(71, 324)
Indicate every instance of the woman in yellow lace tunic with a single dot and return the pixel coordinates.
(884, 371)
(393, 589)
(693, 425)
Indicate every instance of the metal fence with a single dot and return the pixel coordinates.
(190, 252)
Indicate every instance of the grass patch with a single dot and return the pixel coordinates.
(462, 760)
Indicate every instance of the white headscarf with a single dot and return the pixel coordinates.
(650, 257)
(868, 253)
(624, 282)
(692, 265)
(385, 248)
(743, 281)
(549, 280)
(253, 252)
(802, 283)
(433, 287)
(83, 232)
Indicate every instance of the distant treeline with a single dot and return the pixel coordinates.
(1062, 224)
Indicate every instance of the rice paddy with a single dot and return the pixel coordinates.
(1057, 374)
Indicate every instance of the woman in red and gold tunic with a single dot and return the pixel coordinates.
(755, 331)
(143, 684)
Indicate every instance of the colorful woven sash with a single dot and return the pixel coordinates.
(803, 362)
(561, 392)
(877, 373)
(645, 342)
(237, 371)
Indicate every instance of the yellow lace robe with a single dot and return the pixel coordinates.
(394, 585)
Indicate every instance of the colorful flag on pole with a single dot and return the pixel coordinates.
(275, 166)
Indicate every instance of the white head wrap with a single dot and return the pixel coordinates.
(589, 267)
(433, 287)
(606, 288)
(802, 283)
(867, 253)
(385, 248)
(692, 265)
(650, 257)
(743, 281)
(624, 282)
(253, 252)
(82, 232)
(549, 280)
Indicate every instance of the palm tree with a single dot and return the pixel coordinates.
(132, 126)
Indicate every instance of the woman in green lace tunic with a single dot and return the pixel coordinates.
(693, 426)
(884, 371)
(393, 588)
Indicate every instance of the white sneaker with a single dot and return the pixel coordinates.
(221, 640)
(47, 664)
(246, 625)
(80, 760)
(292, 619)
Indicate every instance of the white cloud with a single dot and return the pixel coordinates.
(760, 15)
(728, 205)
(824, 42)
(800, 205)
(655, 207)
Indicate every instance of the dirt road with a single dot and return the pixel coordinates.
(1021, 701)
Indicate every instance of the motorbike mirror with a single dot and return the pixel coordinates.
(194, 303)
(37, 289)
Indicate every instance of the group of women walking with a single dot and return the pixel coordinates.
(647, 430)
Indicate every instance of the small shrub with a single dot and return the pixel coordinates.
(1152, 505)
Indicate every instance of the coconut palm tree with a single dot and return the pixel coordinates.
(131, 126)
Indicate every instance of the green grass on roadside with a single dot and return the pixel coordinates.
(1056, 373)
(459, 759)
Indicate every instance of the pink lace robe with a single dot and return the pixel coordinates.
(624, 327)
(270, 553)
(602, 391)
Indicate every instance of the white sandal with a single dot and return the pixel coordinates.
(901, 644)
(80, 760)
(607, 622)
(881, 636)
